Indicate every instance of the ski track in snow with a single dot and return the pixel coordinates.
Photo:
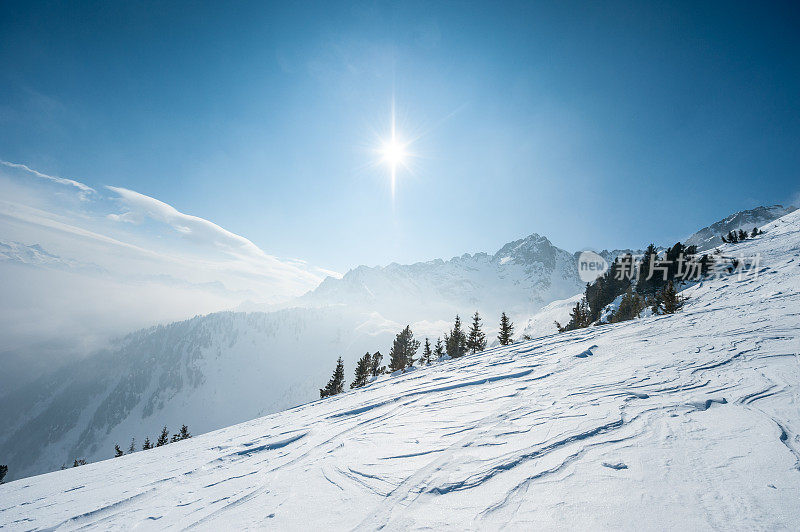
(688, 421)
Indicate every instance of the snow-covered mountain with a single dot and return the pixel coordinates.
(35, 255)
(709, 237)
(687, 421)
(215, 370)
(519, 279)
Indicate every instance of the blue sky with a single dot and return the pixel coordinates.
(582, 122)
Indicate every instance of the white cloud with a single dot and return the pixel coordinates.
(150, 263)
(85, 190)
(199, 229)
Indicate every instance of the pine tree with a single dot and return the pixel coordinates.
(672, 300)
(438, 349)
(403, 350)
(476, 341)
(147, 445)
(362, 371)
(506, 330)
(645, 285)
(163, 439)
(706, 264)
(629, 307)
(578, 318)
(132, 447)
(654, 302)
(117, 451)
(78, 463)
(427, 353)
(754, 233)
(336, 383)
(185, 432)
(3, 472)
(375, 366)
(742, 236)
(175, 437)
(456, 342)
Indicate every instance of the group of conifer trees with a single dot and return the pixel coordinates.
(734, 237)
(650, 283)
(162, 440)
(403, 352)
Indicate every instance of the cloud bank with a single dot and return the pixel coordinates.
(80, 265)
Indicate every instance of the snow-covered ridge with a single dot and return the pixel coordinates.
(519, 278)
(685, 421)
(35, 255)
(709, 237)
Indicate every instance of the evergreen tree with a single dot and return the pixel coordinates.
(362, 371)
(336, 383)
(655, 303)
(163, 439)
(147, 445)
(175, 437)
(706, 264)
(375, 367)
(456, 342)
(674, 256)
(608, 286)
(438, 349)
(742, 236)
(78, 463)
(506, 330)
(579, 317)
(672, 300)
(185, 432)
(754, 233)
(132, 447)
(476, 341)
(3, 472)
(403, 350)
(117, 451)
(629, 307)
(645, 285)
(427, 353)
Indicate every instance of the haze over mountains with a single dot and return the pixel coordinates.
(226, 367)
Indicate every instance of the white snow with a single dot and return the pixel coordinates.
(687, 421)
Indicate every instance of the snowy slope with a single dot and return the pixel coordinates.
(688, 421)
(543, 322)
(209, 372)
(709, 237)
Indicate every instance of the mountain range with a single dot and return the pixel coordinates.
(686, 421)
(222, 368)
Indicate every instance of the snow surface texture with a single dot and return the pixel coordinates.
(688, 421)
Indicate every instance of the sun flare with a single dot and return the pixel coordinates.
(393, 152)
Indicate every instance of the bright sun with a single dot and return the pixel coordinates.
(393, 153)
